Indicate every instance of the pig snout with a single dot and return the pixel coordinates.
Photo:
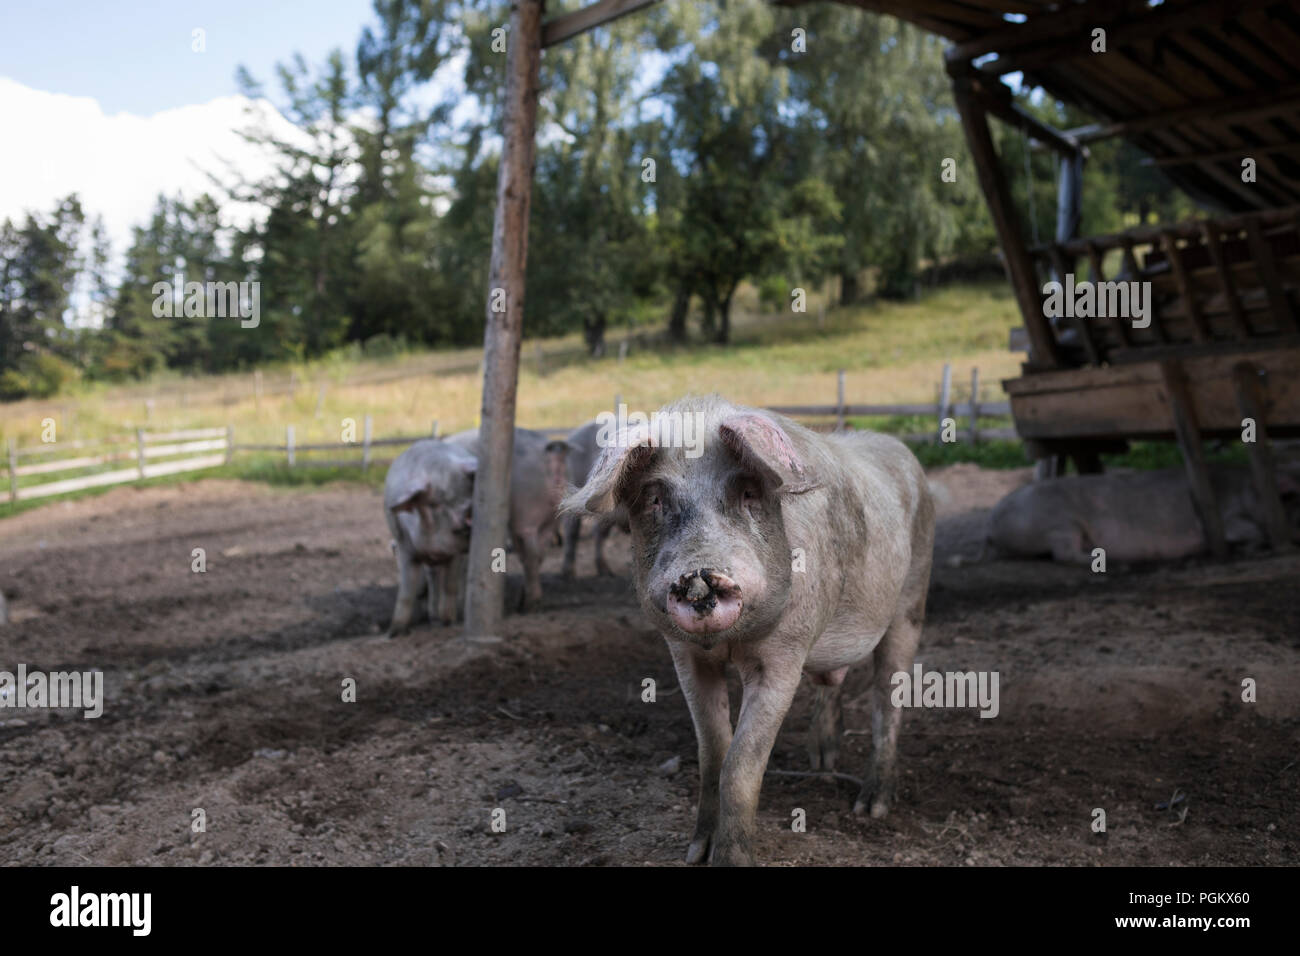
(704, 602)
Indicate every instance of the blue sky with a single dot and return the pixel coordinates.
(135, 55)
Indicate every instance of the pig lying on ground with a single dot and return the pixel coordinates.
(1142, 516)
(783, 552)
(582, 455)
(538, 479)
(427, 497)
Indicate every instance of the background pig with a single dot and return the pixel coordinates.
(427, 497)
(712, 541)
(538, 480)
(1139, 516)
(582, 455)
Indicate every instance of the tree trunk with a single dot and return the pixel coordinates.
(681, 306)
(850, 291)
(593, 332)
(724, 320)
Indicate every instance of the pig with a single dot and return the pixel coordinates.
(758, 542)
(1133, 517)
(583, 450)
(538, 481)
(428, 494)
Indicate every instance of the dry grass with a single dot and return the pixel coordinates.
(892, 352)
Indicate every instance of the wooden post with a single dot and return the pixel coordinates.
(945, 395)
(139, 451)
(320, 399)
(974, 406)
(1189, 440)
(839, 401)
(1246, 381)
(485, 589)
(618, 400)
(1020, 266)
(230, 443)
(365, 446)
(622, 351)
(288, 443)
(435, 428)
(13, 472)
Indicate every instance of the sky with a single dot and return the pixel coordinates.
(110, 99)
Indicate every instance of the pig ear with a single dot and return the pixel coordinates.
(407, 498)
(762, 444)
(613, 472)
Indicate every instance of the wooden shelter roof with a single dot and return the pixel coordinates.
(1196, 84)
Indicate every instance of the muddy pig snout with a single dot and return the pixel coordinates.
(704, 602)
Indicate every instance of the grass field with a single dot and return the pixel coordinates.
(890, 352)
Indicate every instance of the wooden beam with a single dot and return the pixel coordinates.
(485, 590)
(1054, 36)
(996, 98)
(1237, 153)
(1020, 267)
(1262, 253)
(1117, 322)
(1079, 322)
(1189, 441)
(1239, 324)
(1248, 381)
(588, 18)
(1193, 307)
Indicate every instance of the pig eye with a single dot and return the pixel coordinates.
(652, 502)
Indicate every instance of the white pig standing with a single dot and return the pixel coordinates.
(427, 498)
(782, 552)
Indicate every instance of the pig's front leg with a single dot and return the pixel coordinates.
(408, 577)
(704, 685)
(530, 546)
(572, 528)
(770, 682)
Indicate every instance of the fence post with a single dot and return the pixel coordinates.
(975, 406)
(139, 450)
(435, 428)
(288, 443)
(365, 447)
(945, 395)
(13, 472)
(618, 400)
(320, 399)
(230, 442)
(622, 350)
(839, 404)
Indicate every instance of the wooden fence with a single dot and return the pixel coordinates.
(198, 445)
(142, 449)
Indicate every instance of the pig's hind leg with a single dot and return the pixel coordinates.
(827, 719)
(894, 654)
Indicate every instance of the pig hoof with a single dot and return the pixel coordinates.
(879, 804)
(698, 851)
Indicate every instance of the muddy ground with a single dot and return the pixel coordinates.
(224, 693)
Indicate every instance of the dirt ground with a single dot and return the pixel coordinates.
(224, 693)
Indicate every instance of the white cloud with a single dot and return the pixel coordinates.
(57, 144)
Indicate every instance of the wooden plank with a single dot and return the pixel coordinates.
(1189, 441)
(1116, 322)
(1020, 266)
(1262, 253)
(485, 589)
(185, 464)
(181, 448)
(568, 25)
(1212, 243)
(1190, 303)
(79, 484)
(71, 464)
(185, 435)
(1240, 107)
(1247, 379)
